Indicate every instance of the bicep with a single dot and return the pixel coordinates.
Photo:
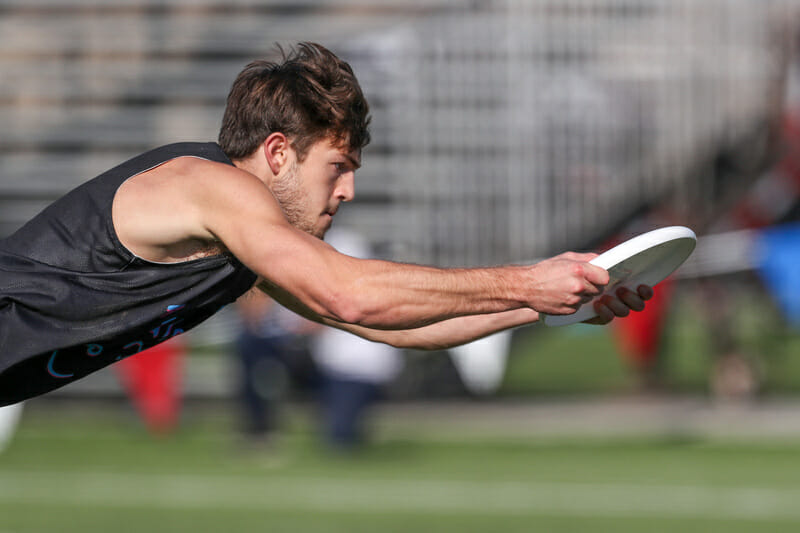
(247, 219)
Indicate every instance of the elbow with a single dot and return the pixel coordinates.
(351, 314)
(344, 309)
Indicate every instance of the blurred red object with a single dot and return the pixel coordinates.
(153, 380)
(639, 334)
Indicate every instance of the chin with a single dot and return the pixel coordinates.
(320, 232)
(317, 231)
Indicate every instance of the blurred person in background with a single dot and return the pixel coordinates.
(9, 419)
(158, 244)
(354, 371)
(271, 349)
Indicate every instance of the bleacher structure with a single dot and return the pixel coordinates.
(525, 128)
(503, 130)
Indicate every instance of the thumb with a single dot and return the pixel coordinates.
(596, 275)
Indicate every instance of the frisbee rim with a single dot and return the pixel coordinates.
(628, 250)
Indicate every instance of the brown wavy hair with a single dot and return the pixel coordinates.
(309, 95)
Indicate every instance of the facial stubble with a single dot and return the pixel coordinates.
(294, 201)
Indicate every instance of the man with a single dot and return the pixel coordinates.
(158, 244)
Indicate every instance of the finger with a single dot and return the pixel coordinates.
(579, 283)
(631, 299)
(595, 275)
(590, 291)
(616, 306)
(576, 256)
(586, 298)
(604, 314)
(645, 292)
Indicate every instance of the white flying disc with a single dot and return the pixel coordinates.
(643, 260)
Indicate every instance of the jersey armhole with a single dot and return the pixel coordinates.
(129, 255)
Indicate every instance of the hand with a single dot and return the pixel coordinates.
(610, 306)
(562, 284)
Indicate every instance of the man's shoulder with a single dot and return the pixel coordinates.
(160, 214)
(187, 181)
(192, 161)
(210, 151)
(192, 173)
(194, 165)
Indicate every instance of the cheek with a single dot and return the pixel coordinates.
(333, 190)
(328, 191)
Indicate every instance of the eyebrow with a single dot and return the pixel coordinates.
(353, 161)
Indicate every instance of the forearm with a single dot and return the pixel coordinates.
(400, 297)
(448, 333)
(387, 295)
(438, 336)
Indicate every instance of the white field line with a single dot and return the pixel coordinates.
(171, 491)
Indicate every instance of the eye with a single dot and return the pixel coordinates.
(342, 167)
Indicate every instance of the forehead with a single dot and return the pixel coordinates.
(327, 149)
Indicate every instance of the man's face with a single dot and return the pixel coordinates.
(310, 192)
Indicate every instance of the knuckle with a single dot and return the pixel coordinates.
(576, 287)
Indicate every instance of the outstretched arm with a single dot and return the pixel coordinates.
(437, 336)
(448, 333)
(379, 294)
(461, 330)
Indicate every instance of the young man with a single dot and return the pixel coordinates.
(158, 244)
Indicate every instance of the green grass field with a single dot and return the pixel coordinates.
(78, 471)
(73, 469)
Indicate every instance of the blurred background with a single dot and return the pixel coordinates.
(503, 131)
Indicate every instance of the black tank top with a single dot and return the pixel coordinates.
(73, 299)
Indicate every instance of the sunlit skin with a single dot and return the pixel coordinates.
(310, 192)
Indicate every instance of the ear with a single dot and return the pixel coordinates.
(276, 150)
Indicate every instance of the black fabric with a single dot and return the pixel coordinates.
(73, 299)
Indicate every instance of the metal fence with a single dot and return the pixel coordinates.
(520, 129)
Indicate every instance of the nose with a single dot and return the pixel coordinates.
(346, 187)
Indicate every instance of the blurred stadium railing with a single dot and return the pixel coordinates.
(522, 129)
(502, 130)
